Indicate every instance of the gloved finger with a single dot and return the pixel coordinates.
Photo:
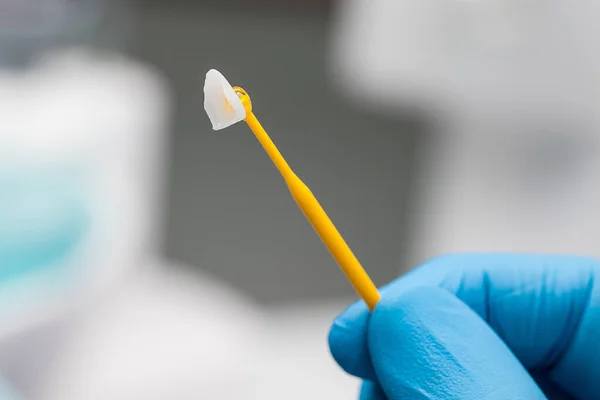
(372, 391)
(546, 308)
(348, 342)
(427, 344)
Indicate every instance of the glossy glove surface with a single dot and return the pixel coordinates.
(479, 326)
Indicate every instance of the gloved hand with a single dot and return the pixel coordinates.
(479, 327)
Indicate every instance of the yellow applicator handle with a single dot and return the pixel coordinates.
(313, 211)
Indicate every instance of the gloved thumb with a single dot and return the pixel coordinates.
(427, 344)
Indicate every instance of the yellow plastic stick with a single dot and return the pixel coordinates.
(313, 211)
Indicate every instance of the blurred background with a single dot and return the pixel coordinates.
(144, 255)
(229, 212)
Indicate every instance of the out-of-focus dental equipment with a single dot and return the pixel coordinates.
(88, 309)
(227, 105)
(71, 164)
(512, 88)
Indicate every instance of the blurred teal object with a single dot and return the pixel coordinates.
(7, 392)
(42, 221)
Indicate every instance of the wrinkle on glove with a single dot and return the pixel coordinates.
(464, 326)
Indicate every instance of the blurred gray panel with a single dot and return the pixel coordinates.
(230, 212)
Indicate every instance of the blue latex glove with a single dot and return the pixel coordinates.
(475, 327)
